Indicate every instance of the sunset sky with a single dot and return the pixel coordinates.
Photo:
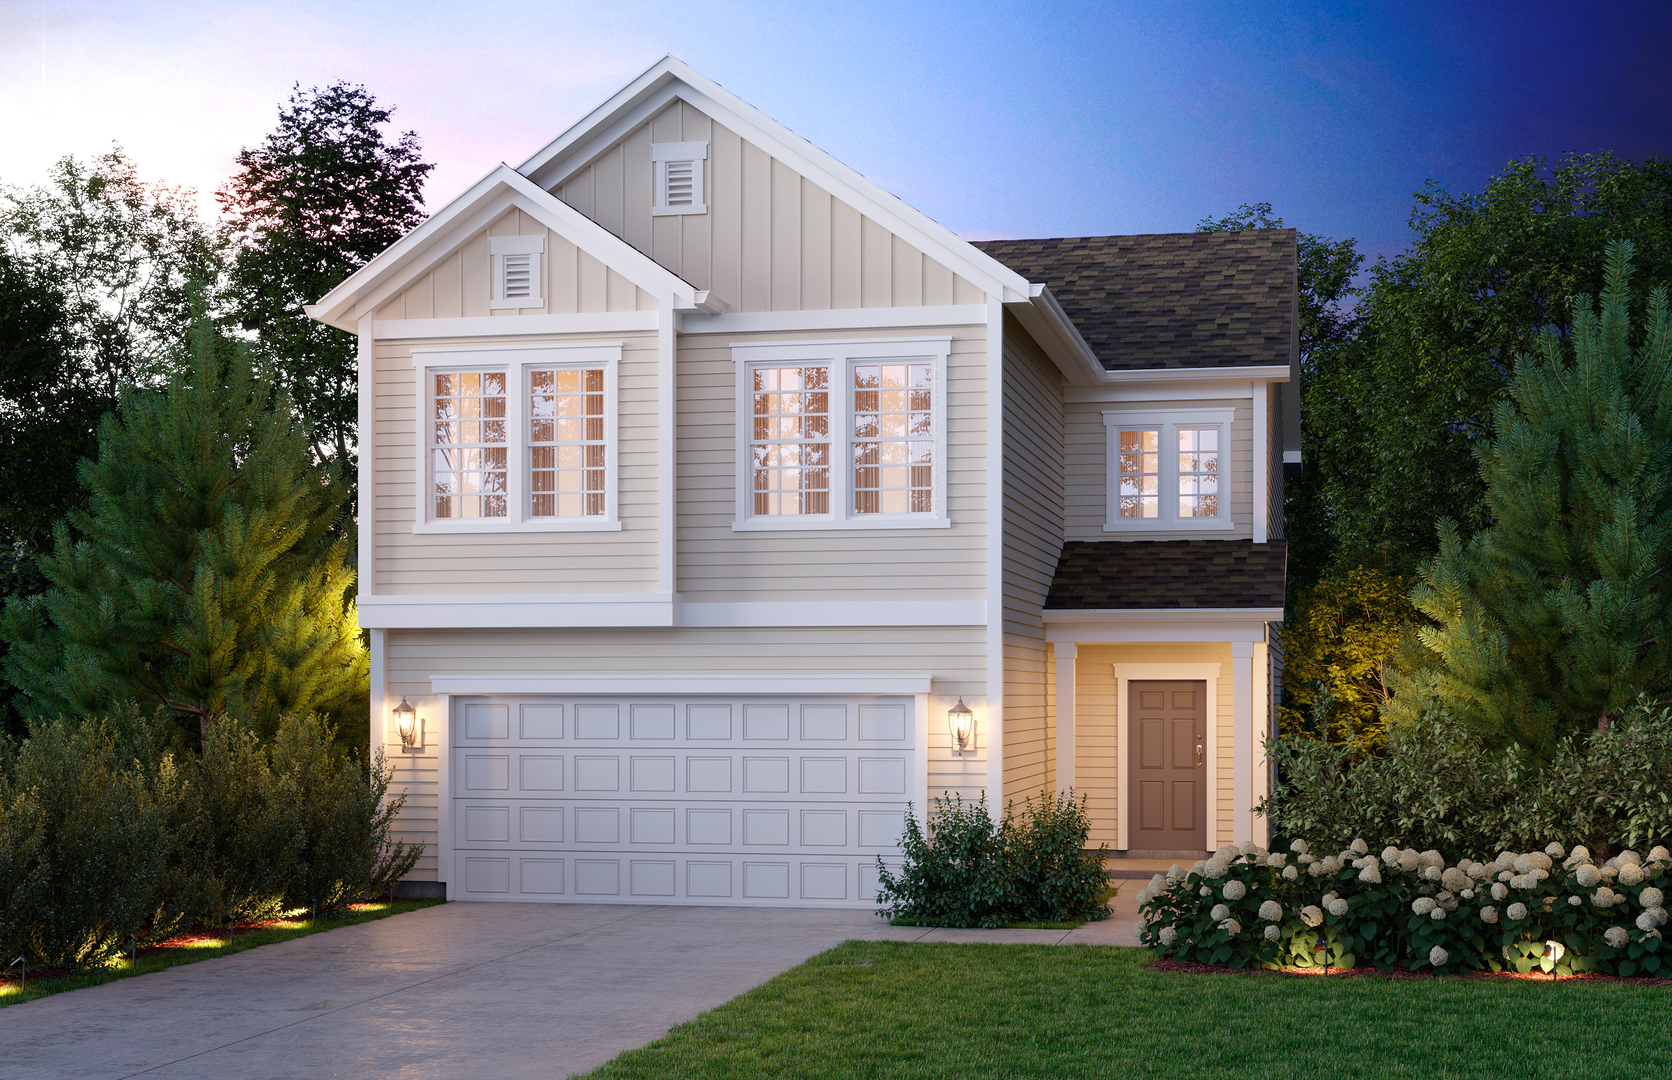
(996, 119)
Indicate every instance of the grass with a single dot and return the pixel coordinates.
(895, 1009)
(197, 945)
(1073, 924)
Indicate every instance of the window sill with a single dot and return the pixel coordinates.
(482, 526)
(812, 523)
(1181, 525)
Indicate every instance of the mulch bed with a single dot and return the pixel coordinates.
(1191, 967)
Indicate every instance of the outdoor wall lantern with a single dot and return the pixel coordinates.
(960, 721)
(411, 727)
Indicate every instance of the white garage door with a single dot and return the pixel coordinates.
(679, 800)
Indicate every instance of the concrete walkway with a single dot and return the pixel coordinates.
(459, 990)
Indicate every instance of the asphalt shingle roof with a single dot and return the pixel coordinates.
(1169, 300)
(1126, 574)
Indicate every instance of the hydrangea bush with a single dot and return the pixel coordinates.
(1553, 910)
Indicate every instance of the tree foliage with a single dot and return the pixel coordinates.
(322, 195)
(1557, 615)
(1393, 418)
(205, 576)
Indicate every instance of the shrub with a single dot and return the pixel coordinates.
(1433, 786)
(971, 872)
(1553, 910)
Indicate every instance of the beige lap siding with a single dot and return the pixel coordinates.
(955, 657)
(1087, 466)
(509, 561)
(772, 240)
(1033, 509)
(718, 565)
(1097, 739)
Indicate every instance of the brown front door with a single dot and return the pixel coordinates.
(1169, 775)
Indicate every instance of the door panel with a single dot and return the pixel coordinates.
(1170, 783)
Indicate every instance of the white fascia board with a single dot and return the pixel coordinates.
(1166, 384)
(1141, 615)
(644, 684)
(838, 613)
(890, 318)
(1160, 625)
(1050, 327)
(669, 78)
(598, 322)
(403, 261)
(517, 611)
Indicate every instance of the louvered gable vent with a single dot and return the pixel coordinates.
(679, 171)
(516, 271)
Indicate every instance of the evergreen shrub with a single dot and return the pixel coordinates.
(970, 871)
(109, 838)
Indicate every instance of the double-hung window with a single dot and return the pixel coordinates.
(1168, 471)
(842, 434)
(517, 438)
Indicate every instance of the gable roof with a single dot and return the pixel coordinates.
(1114, 575)
(1170, 300)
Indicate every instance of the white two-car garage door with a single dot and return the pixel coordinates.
(679, 800)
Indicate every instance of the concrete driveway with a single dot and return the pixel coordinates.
(459, 990)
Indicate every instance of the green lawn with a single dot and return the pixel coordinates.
(893, 1009)
(198, 945)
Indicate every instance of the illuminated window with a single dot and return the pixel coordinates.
(893, 438)
(468, 443)
(790, 443)
(1167, 470)
(566, 448)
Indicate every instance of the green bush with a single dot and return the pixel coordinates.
(1433, 785)
(970, 871)
(108, 836)
(1247, 907)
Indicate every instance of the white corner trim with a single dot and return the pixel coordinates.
(599, 322)
(517, 611)
(992, 399)
(837, 613)
(1242, 741)
(888, 318)
(1262, 464)
(646, 684)
(1208, 673)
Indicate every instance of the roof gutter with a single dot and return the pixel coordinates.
(1043, 318)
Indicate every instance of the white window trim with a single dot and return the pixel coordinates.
(841, 356)
(1168, 422)
(662, 153)
(517, 362)
(501, 246)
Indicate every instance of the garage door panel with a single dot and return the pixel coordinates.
(679, 800)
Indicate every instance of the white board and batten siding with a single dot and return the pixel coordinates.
(690, 800)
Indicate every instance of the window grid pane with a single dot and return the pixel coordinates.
(790, 442)
(467, 445)
(1198, 472)
(566, 443)
(1140, 473)
(894, 439)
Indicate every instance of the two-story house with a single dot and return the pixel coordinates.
(716, 506)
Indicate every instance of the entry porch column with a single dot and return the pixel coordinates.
(1065, 652)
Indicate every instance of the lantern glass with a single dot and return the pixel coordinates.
(406, 722)
(960, 721)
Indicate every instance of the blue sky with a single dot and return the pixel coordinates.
(996, 119)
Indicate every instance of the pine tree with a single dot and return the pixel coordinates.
(1558, 614)
(209, 576)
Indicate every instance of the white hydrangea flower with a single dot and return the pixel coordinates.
(1506, 875)
(1613, 864)
(1554, 850)
(1646, 921)
(1338, 907)
(1306, 859)
(1432, 858)
(1587, 875)
(1274, 932)
(1271, 911)
(1438, 914)
(1499, 891)
(1312, 915)
(1331, 864)
(1219, 913)
(1431, 873)
(1522, 864)
(1617, 936)
(1290, 873)
(1422, 905)
(1610, 873)
(1517, 911)
(1438, 956)
(1204, 892)
(1580, 853)
(1250, 848)
(1143, 897)
(1630, 856)
(1199, 866)
(1575, 901)
(1216, 869)
(1316, 869)
(1371, 875)
(1605, 898)
(1651, 897)
(1410, 861)
(1489, 914)
(1169, 936)
(1175, 873)
(1360, 847)
(1631, 874)
(1454, 878)
(1298, 847)
(1539, 873)
(1659, 854)
(1139, 929)
(1234, 890)
(1231, 926)
(1390, 855)
(1467, 894)
(1275, 860)
(1158, 883)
